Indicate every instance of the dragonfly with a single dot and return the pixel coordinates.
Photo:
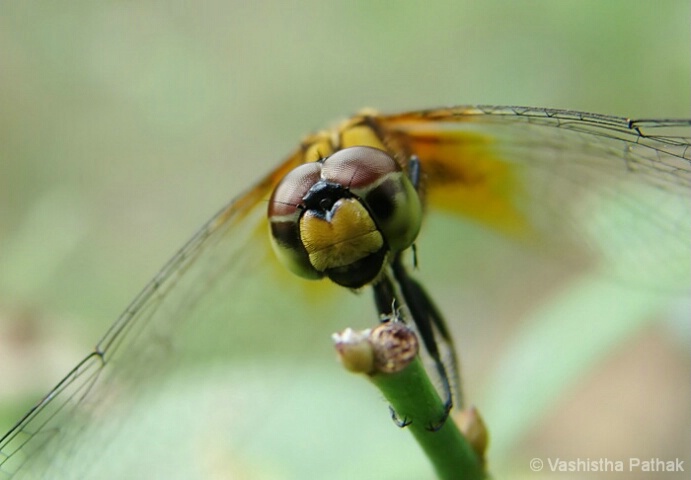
(196, 378)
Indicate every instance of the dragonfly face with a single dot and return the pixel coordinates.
(198, 363)
(344, 216)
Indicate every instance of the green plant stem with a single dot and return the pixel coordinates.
(414, 399)
(388, 355)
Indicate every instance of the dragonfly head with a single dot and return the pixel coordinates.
(343, 216)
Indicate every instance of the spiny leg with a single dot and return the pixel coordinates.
(427, 317)
(423, 299)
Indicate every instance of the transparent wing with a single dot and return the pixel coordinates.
(599, 191)
(220, 367)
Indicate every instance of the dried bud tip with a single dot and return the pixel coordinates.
(473, 428)
(354, 350)
(395, 346)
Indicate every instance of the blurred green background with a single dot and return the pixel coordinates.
(125, 125)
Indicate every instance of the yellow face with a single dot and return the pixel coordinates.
(345, 235)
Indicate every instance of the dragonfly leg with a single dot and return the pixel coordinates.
(385, 298)
(400, 422)
(427, 318)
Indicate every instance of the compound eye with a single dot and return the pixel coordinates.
(359, 168)
(284, 212)
(288, 195)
